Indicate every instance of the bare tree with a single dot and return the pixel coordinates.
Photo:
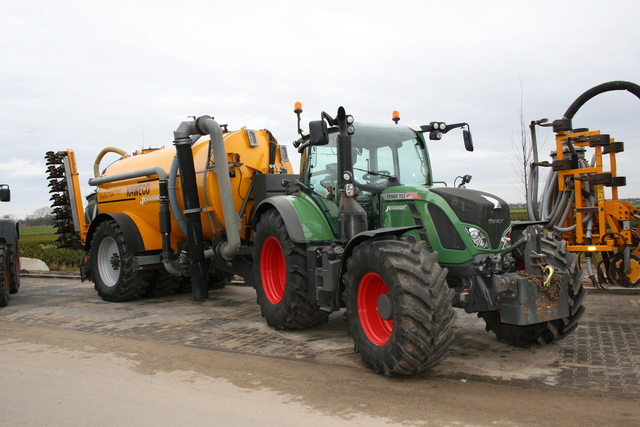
(522, 153)
(41, 216)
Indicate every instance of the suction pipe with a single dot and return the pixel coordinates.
(192, 210)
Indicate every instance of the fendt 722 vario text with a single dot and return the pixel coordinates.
(362, 227)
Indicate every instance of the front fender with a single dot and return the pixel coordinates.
(367, 235)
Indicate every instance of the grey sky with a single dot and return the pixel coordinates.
(89, 74)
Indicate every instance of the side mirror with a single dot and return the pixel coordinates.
(468, 142)
(318, 134)
(5, 193)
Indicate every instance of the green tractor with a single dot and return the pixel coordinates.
(365, 227)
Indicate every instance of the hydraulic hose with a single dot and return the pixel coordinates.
(597, 90)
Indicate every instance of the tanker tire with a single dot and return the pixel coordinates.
(219, 279)
(4, 276)
(547, 332)
(162, 283)
(281, 287)
(112, 266)
(13, 255)
(419, 332)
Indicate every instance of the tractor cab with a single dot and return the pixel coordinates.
(382, 156)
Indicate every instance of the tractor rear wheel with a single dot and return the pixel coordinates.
(280, 273)
(560, 258)
(111, 264)
(398, 306)
(13, 255)
(4, 276)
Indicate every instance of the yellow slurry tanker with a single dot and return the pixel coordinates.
(141, 206)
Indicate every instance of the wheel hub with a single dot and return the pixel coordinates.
(385, 307)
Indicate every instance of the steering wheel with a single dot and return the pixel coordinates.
(371, 176)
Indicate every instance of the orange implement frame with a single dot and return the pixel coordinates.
(611, 218)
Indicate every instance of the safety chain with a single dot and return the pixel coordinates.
(549, 284)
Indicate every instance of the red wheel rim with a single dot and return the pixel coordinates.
(375, 327)
(273, 270)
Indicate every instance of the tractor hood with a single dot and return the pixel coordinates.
(479, 208)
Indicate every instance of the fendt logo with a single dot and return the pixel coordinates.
(396, 208)
(138, 190)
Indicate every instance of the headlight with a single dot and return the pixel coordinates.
(478, 238)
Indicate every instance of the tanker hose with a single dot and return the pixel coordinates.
(96, 164)
(230, 248)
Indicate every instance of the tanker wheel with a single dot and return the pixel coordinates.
(13, 255)
(4, 275)
(162, 283)
(619, 277)
(112, 265)
(280, 273)
(219, 279)
(560, 258)
(398, 306)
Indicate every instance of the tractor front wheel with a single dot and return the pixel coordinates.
(398, 306)
(280, 273)
(112, 267)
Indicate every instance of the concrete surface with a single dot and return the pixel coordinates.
(164, 359)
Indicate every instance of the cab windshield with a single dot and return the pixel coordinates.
(383, 156)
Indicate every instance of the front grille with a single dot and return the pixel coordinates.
(482, 209)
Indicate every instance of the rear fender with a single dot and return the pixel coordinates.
(304, 221)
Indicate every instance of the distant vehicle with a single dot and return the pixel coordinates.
(9, 252)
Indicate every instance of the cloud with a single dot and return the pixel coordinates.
(86, 75)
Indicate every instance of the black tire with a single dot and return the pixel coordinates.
(280, 272)
(162, 283)
(219, 279)
(13, 255)
(418, 332)
(546, 332)
(111, 264)
(4, 276)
